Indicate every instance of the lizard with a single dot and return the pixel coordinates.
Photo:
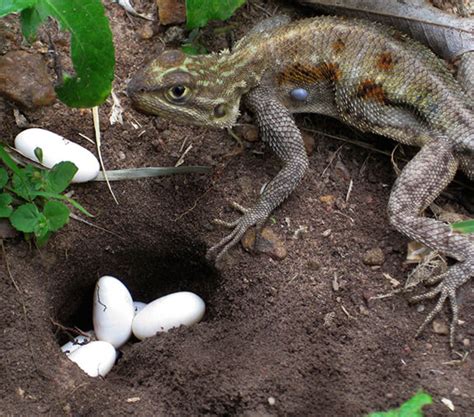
(367, 75)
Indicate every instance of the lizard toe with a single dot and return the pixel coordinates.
(446, 289)
(240, 226)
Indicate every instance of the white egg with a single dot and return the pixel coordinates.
(77, 342)
(113, 311)
(57, 149)
(173, 310)
(95, 358)
(138, 306)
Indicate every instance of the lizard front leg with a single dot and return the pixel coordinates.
(421, 181)
(279, 130)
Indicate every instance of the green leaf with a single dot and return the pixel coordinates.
(31, 19)
(411, 408)
(199, 12)
(25, 218)
(14, 6)
(74, 203)
(21, 179)
(43, 238)
(42, 227)
(92, 50)
(31, 179)
(57, 215)
(3, 177)
(5, 201)
(60, 177)
(466, 226)
(194, 49)
(9, 162)
(39, 154)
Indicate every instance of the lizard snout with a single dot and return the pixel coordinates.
(136, 86)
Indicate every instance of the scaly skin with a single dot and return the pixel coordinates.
(367, 75)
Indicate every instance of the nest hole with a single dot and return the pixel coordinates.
(148, 273)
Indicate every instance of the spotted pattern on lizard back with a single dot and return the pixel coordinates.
(367, 75)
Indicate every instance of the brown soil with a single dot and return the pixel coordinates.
(273, 329)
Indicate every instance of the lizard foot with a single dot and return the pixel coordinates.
(240, 226)
(446, 289)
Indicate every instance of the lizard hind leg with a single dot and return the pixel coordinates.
(421, 181)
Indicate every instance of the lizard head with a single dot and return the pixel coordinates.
(187, 89)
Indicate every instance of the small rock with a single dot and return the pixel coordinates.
(174, 34)
(271, 401)
(24, 79)
(171, 11)
(326, 233)
(248, 239)
(440, 327)
(363, 310)
(267, 243)
(420, 308)
(309, 143)
(121, 155)
(329, 319)
(43, 408)
(466, 343)
(313, 264)
(146, 31)
(250, 133)
(328, 199)
(374, 257)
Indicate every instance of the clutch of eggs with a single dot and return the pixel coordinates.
(115, 316)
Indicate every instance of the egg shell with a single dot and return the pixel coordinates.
(95, 358)
(173, 310)
(138, 306)
(58, 149)
(77, 342)
(113, 311)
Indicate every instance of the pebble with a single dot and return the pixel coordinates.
(440, 327)
(329, 319)
(313, 264)
(146, 31)
(328, 199)
(24, 79)
(248, 132)
(374, 257)
(268, 243)
(174, 35)
(309, 143)
(171, 11)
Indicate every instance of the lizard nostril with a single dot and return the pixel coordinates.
(219, 110)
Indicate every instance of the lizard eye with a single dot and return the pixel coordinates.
(178, 93)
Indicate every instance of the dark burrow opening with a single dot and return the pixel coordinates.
(149, 271)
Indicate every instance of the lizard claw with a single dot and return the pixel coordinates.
(446, 290)
(240, 226)
(230, 225)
